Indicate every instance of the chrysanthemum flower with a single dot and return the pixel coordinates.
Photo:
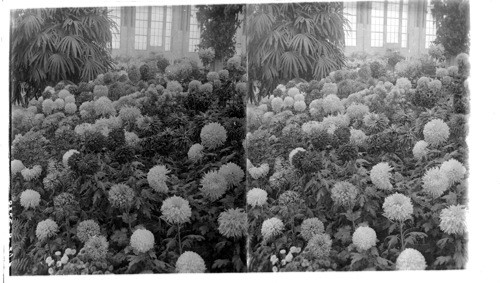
(96, 247)
(233, 173)
(213, 135)
(195, 152)
(142, 240)
(87, 229)
(299, 97)
(293, 91)
(70, 108)
(358, 137)
(357, 111)
(29, 198)
(403, 83)
(435, 182)
(16, 166)
(121, 196)
(129, 114)
(364, 238)
(453, 220)
(213, 185)
(59, 103)
(104, 107)
(157, 177)
(332, 104)
(176, 210)
(46, 229)
(233, 223)
(67, 155)
(272, 227)
(256, 197)
(131, 138)
(290, 198)
(288, 101)
(311, 126)
(344, 194)
(316, 103)
(397, 207)
(311, 227)
(319, 245)
(410, 259)
(341, 120)
(420, 149)
(277, 104)
(380, 176)
(190, 262)
(69, 98)
(299, 106)
(63, 93)
(454, 170)
(31, 174)
(48, 106)
(436, 132)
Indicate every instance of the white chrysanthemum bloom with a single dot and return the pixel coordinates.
(190, 262)
(142, 240)
(233, 223)
(46, 229)
(341, 120)
(267, 116)
(344, 193)
(293, 152)
(272, 227)
(397, 207)
(29, 198)
(403, 83)
(112, 122)
(435, 182)
(131, 138)
(410, 259)
(420, 149)
(436, 132)
(176, 210)
(213, 135)
(104, 106)
(256, 197)
(86, 106)
(121, 196)
(70, 108)
(67, 155)
(364, 238)
(157, 178)
(259, 172)
(319, 245)
(96, 248)
(59, 103)
(311, 227)
(16, 166)
(299, 106)
(293, 91)
(213, 185)
(358, 137)
(453, 220)
(69, 99)
(277, 104)
(48, 106)
(129, 113)
(31, 174)
(316, 103)
(87, 229)
(309, 127)
(81, 129)
(380, 176)
(314, 111)
(357, 111)
(299, 97)
(195, 152)
(288, 102)
(63, 93)
(454, 170)
(232, 172)
(332, 104)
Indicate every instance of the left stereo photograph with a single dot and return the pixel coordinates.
(126, 140)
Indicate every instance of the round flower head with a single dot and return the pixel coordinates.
(436, 132)
(190, 262)
(104, 107)
(131, 138)
(176, 210)
(142, 240)
(272, 227)
(16, 166)
(48, 106)
(319, 245)
(195, 152)
(59, 103)
(293, 91)
(420, 149)
(403, 83)
(453, 220)
(381, 177)
(311, 227)
(364, 238)
(213, 135)
(410, 259)
(299, 97)
(233, 173)
(344, 194)
(256, 197)
(299, 106)
(358, 137)
(67, 155)
(233, 223)
(454, 170)
(31, 174)
(213, 185)
(121, 196)
(46, 229)
(87, 229)
(29, 198)
(277, 104)
(288, 101)
(96, 247)
(435, 182)
(157, 176)
(332, 104)
(70, 108)
(129, 114)
(397, 207)
(357, 111)
(68, 98)
(311, 126)
(293, 152)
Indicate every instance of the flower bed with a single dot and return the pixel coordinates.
(357, 173)
(122, 175)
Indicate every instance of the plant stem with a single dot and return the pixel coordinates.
(401, 232)
(179, 238)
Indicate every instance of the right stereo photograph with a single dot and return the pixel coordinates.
(357, 118)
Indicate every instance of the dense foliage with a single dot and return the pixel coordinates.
(356, 172)
(452, 25)
(120, 175)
